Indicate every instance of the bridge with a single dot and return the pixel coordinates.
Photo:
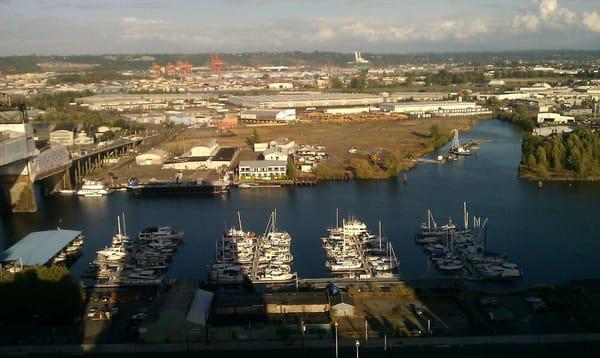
(22, 165)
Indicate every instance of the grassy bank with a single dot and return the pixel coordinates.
(384, 148)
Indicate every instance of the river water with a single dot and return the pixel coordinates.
(551, 233)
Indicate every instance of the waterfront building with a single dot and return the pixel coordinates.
(152, 157)
(262, 169)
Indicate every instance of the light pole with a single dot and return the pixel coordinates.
(303, 330)
(336, 340)
(357, 344)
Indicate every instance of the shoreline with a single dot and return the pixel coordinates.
(526, 174)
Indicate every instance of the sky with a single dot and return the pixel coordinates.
(67, 27)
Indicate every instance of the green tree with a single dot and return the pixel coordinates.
(254, 138)
(358, 82)
(531, 162)
(337, 83)
(44, 293)
(540, 157)
(291, 167)
(108, 135)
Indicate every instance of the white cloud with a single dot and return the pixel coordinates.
(547, 8)
(528, 22)
(591, 21)
(548, 14)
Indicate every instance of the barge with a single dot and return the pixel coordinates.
(199, 187)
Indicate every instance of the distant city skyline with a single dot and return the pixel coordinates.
(68, 27)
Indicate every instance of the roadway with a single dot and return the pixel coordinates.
(560, 345)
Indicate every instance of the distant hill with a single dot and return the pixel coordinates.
(33, 63)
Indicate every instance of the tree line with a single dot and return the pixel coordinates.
(520, 116)
(569, 155)
(46, 294)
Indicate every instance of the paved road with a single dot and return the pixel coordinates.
(498, 346)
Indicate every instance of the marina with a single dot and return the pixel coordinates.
(139, 261)
(486, 180)
(241, 255)
(352, 251)
(463, 250)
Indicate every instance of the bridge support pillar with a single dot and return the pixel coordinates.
(57, 182)
(17, 189)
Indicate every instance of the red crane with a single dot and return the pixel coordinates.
(215, 63)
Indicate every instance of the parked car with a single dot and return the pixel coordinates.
(92, 312)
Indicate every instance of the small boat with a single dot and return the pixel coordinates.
(257, 186)
(92, 188)
(67, 192)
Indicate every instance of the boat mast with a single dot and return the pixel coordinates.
(465, 216)
(240, 221)
(124, 227)
(119, 225)
(455, 140)
(337, 218)
(380, 236)
(429, 219)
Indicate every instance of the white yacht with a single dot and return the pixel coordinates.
(93, 188)
(160, 233)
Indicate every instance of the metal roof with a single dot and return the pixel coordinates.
(37, 248)
(200, 307)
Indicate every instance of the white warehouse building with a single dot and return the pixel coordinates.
(554, 118)
(268, 115)
(435, 108)
(262, 169)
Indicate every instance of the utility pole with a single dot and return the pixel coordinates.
(357, 344)
(336, 340)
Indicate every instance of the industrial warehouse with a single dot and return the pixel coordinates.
(435, 108)
(306, 100)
